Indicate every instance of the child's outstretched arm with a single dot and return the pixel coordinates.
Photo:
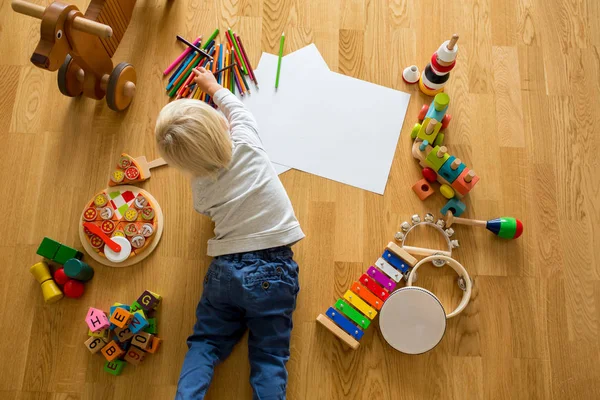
(242, 124)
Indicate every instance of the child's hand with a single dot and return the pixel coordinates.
(206, 81)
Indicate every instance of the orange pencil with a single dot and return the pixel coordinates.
(238, 75)
(187, 70)
(187, 82)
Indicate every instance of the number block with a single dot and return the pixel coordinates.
(114, 367)
(96, 320)
(123, 334)
(112, 351)
(94, 344)
(141, 340)
(134, 356)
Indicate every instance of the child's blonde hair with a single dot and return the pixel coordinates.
(192, 136)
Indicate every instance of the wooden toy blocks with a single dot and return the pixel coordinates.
(65, 253)
(112, 351)
(95, 344)
(154, 344)
(121, 317)
(96, 319)
(437, 157)
(151, 328)
(451, 169)
(114, 367)
(149, 300)
(134, 356)
(465, 181)
(48, 248)
(422, 189)
(123, 334)
(141, 340)
(138, 322)
(454, 205)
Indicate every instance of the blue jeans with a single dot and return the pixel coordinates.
(255, 290)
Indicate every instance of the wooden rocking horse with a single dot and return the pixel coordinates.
(81, 47)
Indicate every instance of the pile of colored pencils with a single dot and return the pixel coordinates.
(228, 62)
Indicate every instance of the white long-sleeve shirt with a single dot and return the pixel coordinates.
(247, 202)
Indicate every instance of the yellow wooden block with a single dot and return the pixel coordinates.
(359, 303)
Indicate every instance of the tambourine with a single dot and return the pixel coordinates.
(413, 320)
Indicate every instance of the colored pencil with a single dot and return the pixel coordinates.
(196, 49)
(237, 57)
(181, 66)
(220, 65)
(238, 81)
(225, 68)
(281, 41)
(188, 70)
(211, 38)
(187, 83)
(182, 56)
(245, 83)
(245, 56)
(237, 51)
(176, 77)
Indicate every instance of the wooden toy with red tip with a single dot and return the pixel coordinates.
(504, 227)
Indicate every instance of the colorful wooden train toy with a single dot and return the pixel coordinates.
(81, 47)
(127, 334)
(70, 276)
(455, 178)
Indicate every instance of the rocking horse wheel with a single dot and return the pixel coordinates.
(121, 87)
(68, 84)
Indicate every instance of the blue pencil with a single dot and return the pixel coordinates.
(220, 64)
(170, 85)
(180, 67)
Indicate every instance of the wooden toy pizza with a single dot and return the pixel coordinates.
(121, 225)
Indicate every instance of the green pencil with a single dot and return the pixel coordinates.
(281, 41)
(237, 51)
(210, 38)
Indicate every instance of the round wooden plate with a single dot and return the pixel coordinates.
(138, 257)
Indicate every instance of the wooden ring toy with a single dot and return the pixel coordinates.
(431, 85)
(464, 280)
(434, 78)
(441, 68)
(445, 54)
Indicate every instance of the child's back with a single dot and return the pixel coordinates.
(253, 281)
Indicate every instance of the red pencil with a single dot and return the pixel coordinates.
(230, 40)
(246, 60)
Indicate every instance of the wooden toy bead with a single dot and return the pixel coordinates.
(429, 174)
(410, 74)
(469, 176)
(426, 90)
(433, 77)
(415, 131)
(422, 189)
(447, 191)
(446, 121)
(60, 277)
(77, 269)
(432, 85)
(74, 289)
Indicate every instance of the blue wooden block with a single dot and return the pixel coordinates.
(435, 114)
(456, 206)
(448, 173)
(395, 261)
(344, 323)
(138, 322)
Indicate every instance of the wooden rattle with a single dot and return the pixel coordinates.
(81, 46)
(50, 289)
(504, 227)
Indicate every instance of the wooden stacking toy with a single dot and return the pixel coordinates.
(455, 179)
(436, 74)
(81, 46)
(504, 227)
(127, 334)
(50, 291)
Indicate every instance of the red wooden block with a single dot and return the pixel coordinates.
(423, 189)
(60, 277)
(463, 187)
(377, 290)
(74, 289)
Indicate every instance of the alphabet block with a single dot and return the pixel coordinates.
(96, 319)
(135, 306)
(94, 344)
(121, 317)
(112, 351)
(148, 300)
(141, 340)
(153, 347)
(134, 356)
(114, 367)
(123, 334)
(138, 322)
(103, 333)
(151, 328)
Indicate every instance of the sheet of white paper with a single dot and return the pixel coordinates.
(325, 123)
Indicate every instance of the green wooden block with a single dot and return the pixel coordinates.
(151, 328)
(65, 253)
(114, 367)
(48, 248)
(432, 136)
(362, 321)
(135, 306)
(434, 161)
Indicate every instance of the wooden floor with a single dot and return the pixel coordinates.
(523, 99)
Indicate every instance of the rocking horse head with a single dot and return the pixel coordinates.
(58, 20)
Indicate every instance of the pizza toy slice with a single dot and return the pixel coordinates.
(131, 170)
